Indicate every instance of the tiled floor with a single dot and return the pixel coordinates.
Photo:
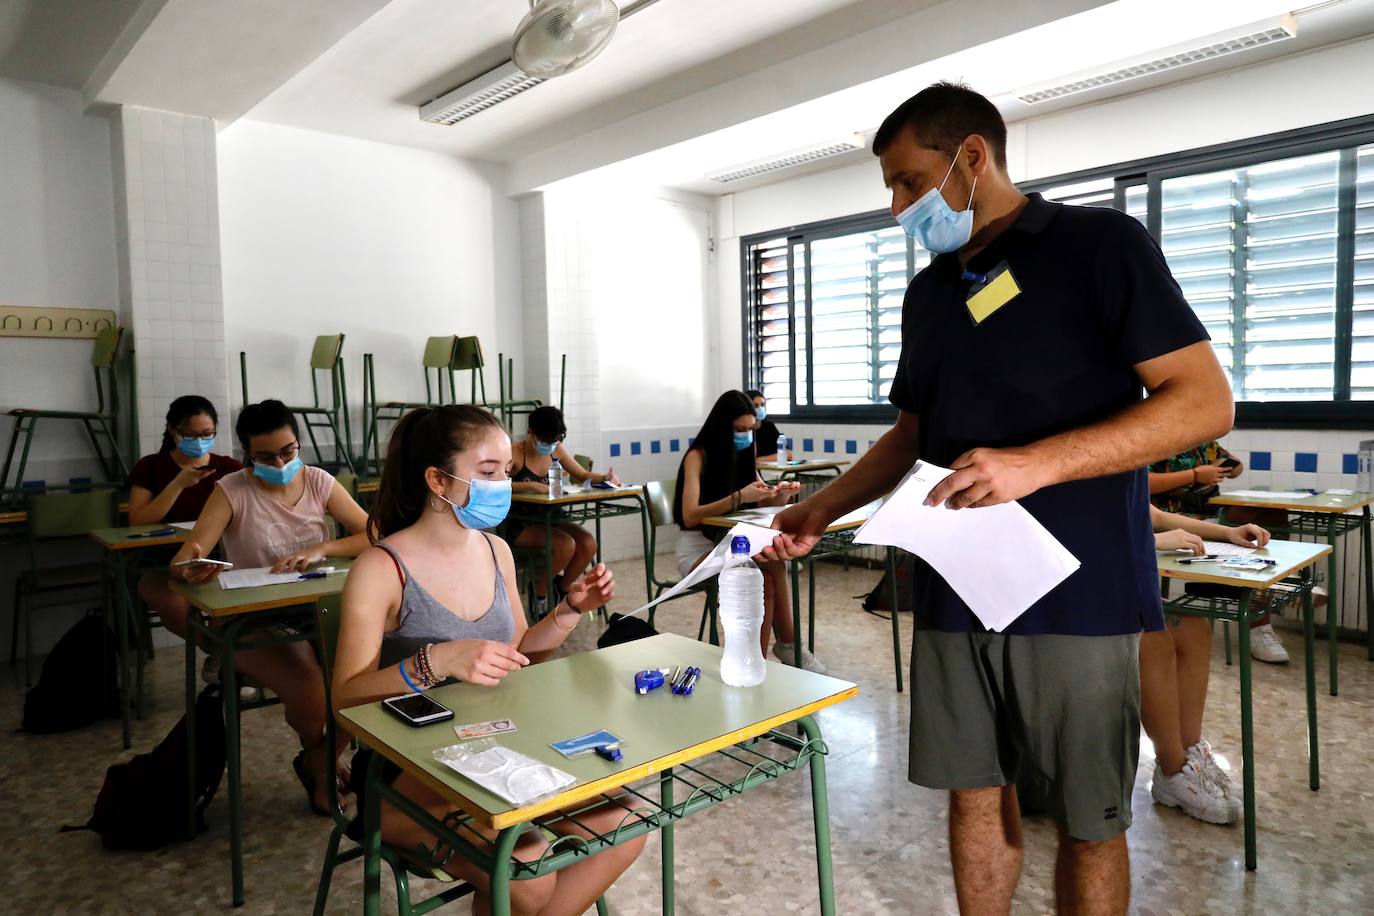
(755, 854)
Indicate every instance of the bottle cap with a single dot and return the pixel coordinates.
(739, 544)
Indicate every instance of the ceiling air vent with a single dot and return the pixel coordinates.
(787, 160)
(1253, 36)
(491, 88)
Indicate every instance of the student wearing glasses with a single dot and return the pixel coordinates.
(531, 459)
(275, 513)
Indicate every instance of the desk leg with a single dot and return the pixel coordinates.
(896, 627)
(550, 593)
(811, 607)
(1368, 581)
(228, 679)
(795, 569)
(1332, 614)
(1309, 659)
(372, 839)
(1247, 737)
(820, 812)
(192, 628)
(644, 534)
(500, 869)
(665, 782)
(123, 608)
(597, 559)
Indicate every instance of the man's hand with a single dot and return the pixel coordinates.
(989, 476)
(802, 526)
(1208, 474)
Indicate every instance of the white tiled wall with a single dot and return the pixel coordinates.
(167, 228)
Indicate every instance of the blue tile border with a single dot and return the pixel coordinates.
(635, 448)
(615, 449)
(808, 445)
(655, 447)
(851, 447)
(1350, 464)
(1259, 461)
(1305, 462)
(674, 445)
(828, 446)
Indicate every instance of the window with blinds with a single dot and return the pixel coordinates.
(825, 307)
(1362, 278)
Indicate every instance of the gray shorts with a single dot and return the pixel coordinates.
(1063, 711)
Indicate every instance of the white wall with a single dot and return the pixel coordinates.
(323, 234)
(57, 248)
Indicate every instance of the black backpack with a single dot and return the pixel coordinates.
(622, 628)
(78, 684)
(142, 804)
(881, 595)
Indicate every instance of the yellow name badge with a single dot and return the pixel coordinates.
(997, 292)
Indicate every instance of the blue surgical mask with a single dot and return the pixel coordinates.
(488, 502)
(545, 448)
(760, 412)
(195, 448)
(279, 476)
(934, 225)
(744, 440)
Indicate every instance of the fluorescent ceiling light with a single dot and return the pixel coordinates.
(788, 160)
(1222, 44)
(476, 96)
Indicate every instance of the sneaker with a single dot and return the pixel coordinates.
(209, 673)
(786, 653)
(1266, 646)
(1201, 754)
(1194, 791)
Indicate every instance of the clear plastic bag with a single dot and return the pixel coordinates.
(511, 775)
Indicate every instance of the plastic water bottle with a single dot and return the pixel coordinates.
(556, 478)
(1365, 480)
(741, 617)
(782, 447)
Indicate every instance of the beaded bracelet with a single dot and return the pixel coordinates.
(405, 677)
(426, 668)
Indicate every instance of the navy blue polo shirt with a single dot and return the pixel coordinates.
(1096, 299)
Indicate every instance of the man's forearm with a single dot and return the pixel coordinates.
(876, 473)
(1169, 421)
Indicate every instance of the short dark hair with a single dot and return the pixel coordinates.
(754, 393)
(261, 418)
(547, 423)
(942, 116)
(183, 409)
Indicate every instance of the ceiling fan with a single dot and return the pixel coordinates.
(559, 36)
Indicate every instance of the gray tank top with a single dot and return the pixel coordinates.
(423, 619)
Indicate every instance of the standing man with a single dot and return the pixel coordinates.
(1026, 344)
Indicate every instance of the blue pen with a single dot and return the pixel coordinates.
(691, 682)
(159, 533)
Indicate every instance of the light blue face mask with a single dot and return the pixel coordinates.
(744, 440)
(195, 448)
(278, 476)
(936, 226)
(760, 412)
(545, 448)
(488, 502)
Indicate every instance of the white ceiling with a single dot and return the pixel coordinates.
(60, 42)
(371, 83)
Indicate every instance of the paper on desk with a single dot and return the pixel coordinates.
(998, 559)
(254, 577)
(1269, 494)
(761, 514)
(184, 526)
(1227, 549)
(1339, 493)
(759, 538)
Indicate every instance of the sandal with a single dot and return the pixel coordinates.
(308, 781)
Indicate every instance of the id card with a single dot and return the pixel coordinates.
(575, 747)
(985, 299)
(483, 729)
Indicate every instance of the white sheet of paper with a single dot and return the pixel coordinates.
(998, 559)
(1339, 493)
(254, 577)
(184, 526)
(761, 514)
(759, 538)
(1227, 549)
(1269, 494)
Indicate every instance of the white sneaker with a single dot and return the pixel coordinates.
(1193, 790)
(1266, 646)
(786, 653)
(1201, 754)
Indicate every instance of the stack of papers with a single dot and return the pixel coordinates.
(254, 577)
(184, 526)
(1269, 494)
(1227, 549)
(998, 559)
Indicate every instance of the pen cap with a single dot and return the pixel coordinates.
(739, 544)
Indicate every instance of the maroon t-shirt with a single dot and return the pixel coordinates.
(154, 472)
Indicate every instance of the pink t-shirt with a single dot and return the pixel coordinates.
(263, 530)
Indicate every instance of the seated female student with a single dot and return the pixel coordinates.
(275, 514)
(1174, 664)
(766, 433)
(1184, 483)
(437, 596)
(716, 477)
(173, 485)
(531, 457)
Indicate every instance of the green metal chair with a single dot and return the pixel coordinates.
(467, 357)
(658, 496)
(327, 356)
(437, 363)
(507, 409)
(584, 460)
(52, 517)
(99, 423)
(403, 863)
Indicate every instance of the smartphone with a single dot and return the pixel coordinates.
(417, 709)
(1229, 463)
(201, 562)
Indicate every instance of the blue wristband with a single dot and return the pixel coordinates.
(405, 677)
